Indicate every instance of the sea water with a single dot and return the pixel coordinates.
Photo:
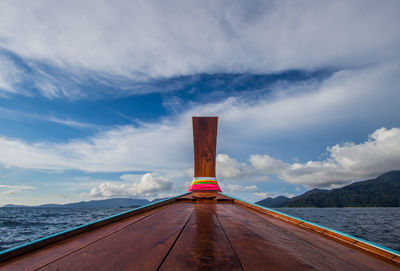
(22, 225)
(377, 225)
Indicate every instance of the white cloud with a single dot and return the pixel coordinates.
(157, 39)
(70, 123)
(135, 186)
(244, 127)
(267, 163)
(16, 186)
(346, 97)
(189, 172)
(345, 163)
(14, 189)
(227, 167)
(11, 192)
(239, 188)
(126, 148)
(8, 76)
(137, 42)
(261, 195)
(17, 115)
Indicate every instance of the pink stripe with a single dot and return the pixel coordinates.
(204, 187)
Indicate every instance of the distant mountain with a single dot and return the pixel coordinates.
(274, 202)
(13, 206)
(105, 203)
(383, 191)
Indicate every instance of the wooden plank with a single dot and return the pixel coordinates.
(78, 230)
(205, 142)
(221, 197)
(202, 245)
(284, 245)
(50, 253)
(218, 197)
(349, 253)
(141, 246)
(216, 236)
(186, 197)
(254, 248)
(346, 240)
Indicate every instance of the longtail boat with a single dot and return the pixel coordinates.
(203, 229)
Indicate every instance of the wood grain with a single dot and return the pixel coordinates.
(202, 245)
(205, 143)
(200, 235)
(78, 231)
(141, 246)
(40, 257)
(255, 249)
(219, 197)
(337, 237)
(266, 243)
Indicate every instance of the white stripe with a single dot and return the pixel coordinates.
(204, 179)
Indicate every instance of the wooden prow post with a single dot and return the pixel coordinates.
(205, 144)
(205, 183)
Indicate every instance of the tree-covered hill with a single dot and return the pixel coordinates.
(383, 191)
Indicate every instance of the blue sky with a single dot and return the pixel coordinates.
(96, 97)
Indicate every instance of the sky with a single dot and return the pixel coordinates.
(96, 97)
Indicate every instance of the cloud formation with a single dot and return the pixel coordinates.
(245, 126)
(154, 39)
(267, 163)
(123, 149)
(227, 167)
(14, 189)
(78, 49)
(146, 186)
(17, 115)
(345, 163)
(240, 188)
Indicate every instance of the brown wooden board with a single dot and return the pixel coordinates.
(262, 242)
(199, 235)
(34, 246)
(50, 253)
(141, 246)
(337, 237)
(203, 244)
(205, 142)
(254, 248)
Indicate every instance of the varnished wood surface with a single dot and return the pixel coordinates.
(287, 247)
(218, 197)
(48, 254)
(203, 244)
(141, 246)
(153, 231)
(59, 237)
(205, 144)
(327, 233)
(199, 235)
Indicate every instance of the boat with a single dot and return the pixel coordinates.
(202, 229)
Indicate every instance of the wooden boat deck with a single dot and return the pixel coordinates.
(218, 234)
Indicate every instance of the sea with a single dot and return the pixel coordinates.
(22, 225)
(19, 225)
